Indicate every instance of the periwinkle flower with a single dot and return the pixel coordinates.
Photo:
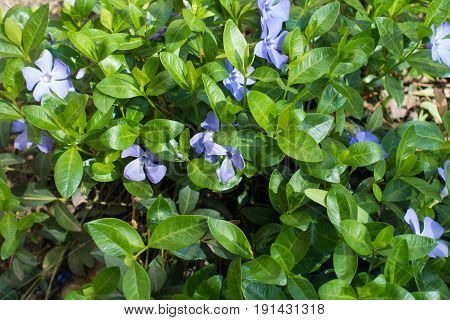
(146, 165)
(211, 125)
(232, 158)
(366, 136)
(52, 76)
(431, 229)
(440, 43)
(235, 81)
(443, 173)
(277, 10)
(22, 142)
(63, 278)
(269, 47)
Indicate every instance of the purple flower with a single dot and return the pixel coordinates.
(146, 164)
(211, 124)
(50, 77)
(269, 47)
(159, 34)
(431, 229)
(443, 173)
(366, 136)
(232, 158)
(277, 10)
(22, 142)
(440, 44)
(235, 81)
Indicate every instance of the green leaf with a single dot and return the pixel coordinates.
(176, 35)
(216, 97)
(345, 262)
(187, 199)
(397, 269)
(162, 130)
(265, 74)
(356, 236)
(233, 281)
(423, 62)
(235, 46)
(318, 126)
(8, 112)
(422, 186)
(264, 110)
(159, 211)
(118, 88)
(266, 270)
(115, 237)
(376, 119)
(13, 31)
(106, 281)
(8, 50)
(68, 172)
(322, 20)
(8, 226)
(395, 89)
(354, 103)
(406, 148)
(136, 283)
(84, 43)
(64, 218)
(301, 288)
(178, 232)
(361, 154)
(299, 145)
(428, 135)
(390, 35)
(337, 289)
(35, 28)
(418, 246)
(230, 237)
(84, 7)
(194, 23)
(283, 256)
(176, 67)
(341, 205)
(118, 137)
(312, 65)
(40, 117)
(437, 12)
(204, 175)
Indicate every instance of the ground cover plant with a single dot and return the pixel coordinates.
(225, 149)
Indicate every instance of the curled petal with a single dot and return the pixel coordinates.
(226, 171)
(134, 171)
(413, 221)
(45, 61)
(214, 149)
(197, 142)
(134, 151)
(278, 59)
(432, 229)
(155, 172)
(32, 76)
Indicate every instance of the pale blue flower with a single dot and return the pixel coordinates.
(233, 158)
(443, 173)
(235, 81)
(431, 229)
(52, 76)
(211, 125)
(269, 47)
(277, 10)
(22, 142)
(440, 43)
(146, 165)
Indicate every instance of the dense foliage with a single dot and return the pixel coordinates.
(223, 149)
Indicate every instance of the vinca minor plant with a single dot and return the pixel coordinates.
(225, 149)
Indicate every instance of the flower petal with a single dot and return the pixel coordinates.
(21, 142)
(440, 251)
(32, 76)
(238, 160)
(45, 61)
(46, 144)
(134, 151)
(197, 142)
(41, 89)
(432, 229)
(211, 122)
(278, 59)
(214, 149)
(134, 171)
(18, 126)
(281, 9)
(60, 71)
(61, 88)
(155, 172)
(413, 221)
(226, 171)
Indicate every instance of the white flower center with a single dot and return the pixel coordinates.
(46, 78)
